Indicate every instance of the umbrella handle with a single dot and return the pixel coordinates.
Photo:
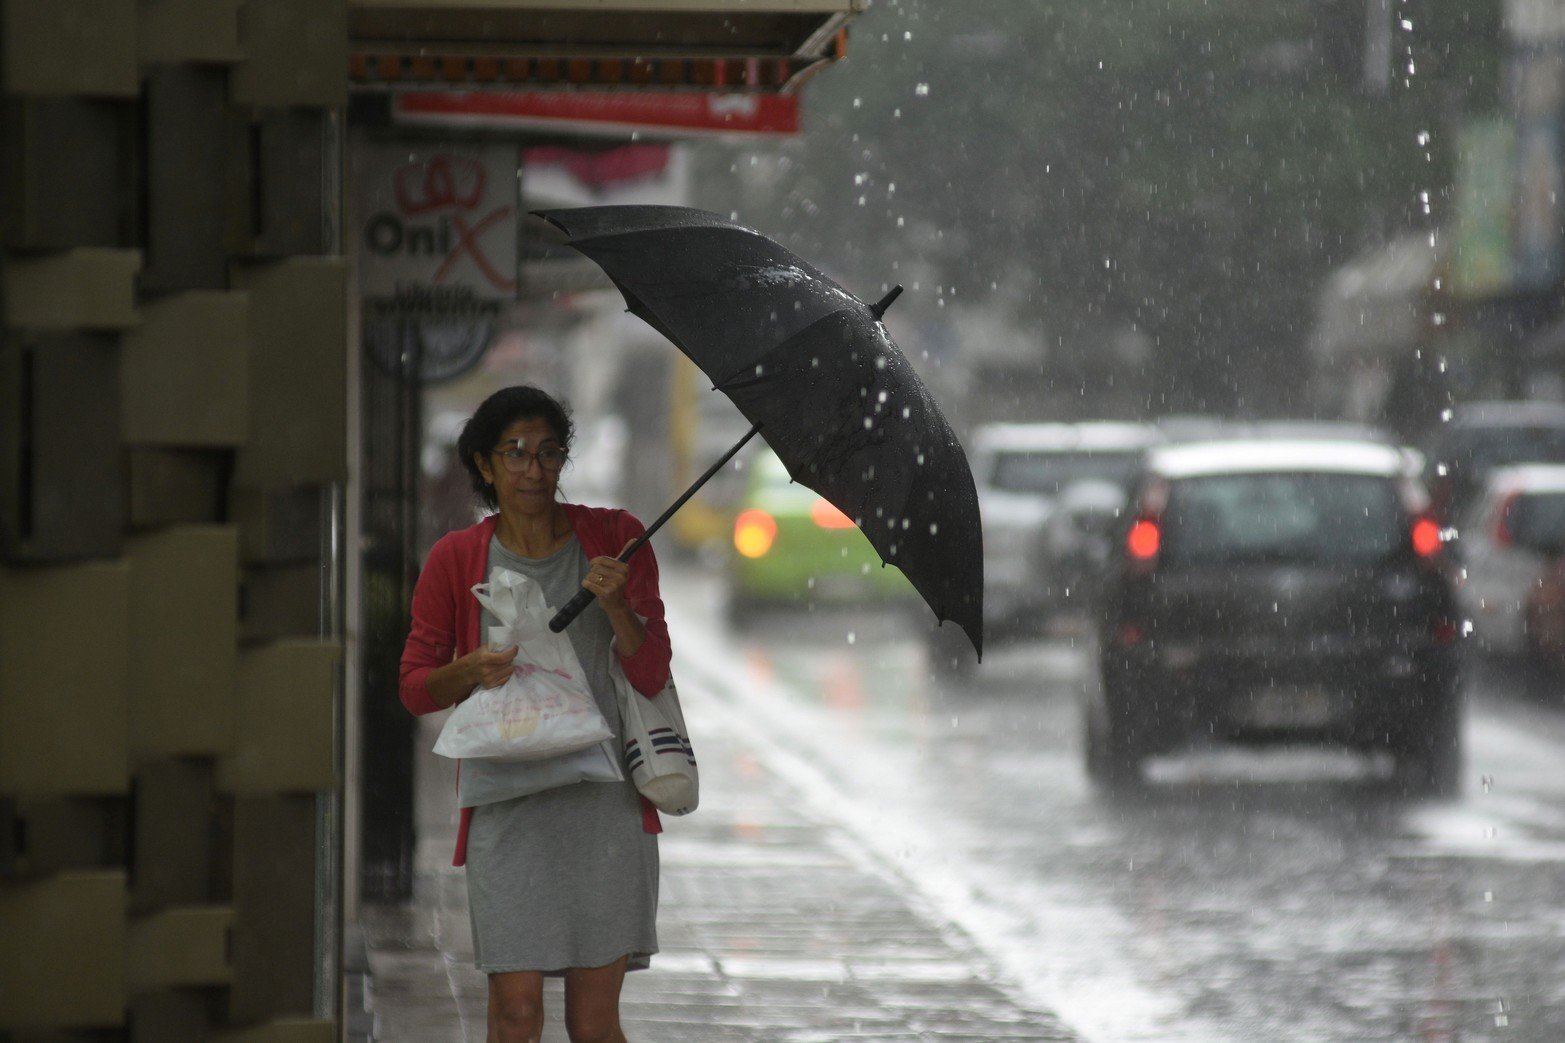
(583, 598)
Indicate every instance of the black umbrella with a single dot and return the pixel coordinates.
(812, 367)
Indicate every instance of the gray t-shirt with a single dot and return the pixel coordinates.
(484, 781)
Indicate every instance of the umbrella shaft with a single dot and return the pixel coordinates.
(688, 493)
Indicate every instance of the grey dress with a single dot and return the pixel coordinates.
(566, 877)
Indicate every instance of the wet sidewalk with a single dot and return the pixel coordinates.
(775, 927)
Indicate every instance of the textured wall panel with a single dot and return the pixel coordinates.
(183, 373)
(184, 587)
(295, 53)
(65, 180)
(59, 447)
(186, 190)
(62, 952)
(189, 31)
(63, 731)
(74, 47)
(297, 374)
(72, 289)
(286, 697)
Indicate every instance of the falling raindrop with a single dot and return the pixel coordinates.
(1488, 783)
(922, 90)
(852, 637)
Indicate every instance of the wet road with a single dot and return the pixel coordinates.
(1246, 896)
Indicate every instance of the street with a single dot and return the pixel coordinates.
(1274, 895)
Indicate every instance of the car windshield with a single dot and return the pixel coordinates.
(1538, 520)
(1049, 473)
(1287, 518)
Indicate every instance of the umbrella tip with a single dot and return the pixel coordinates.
(879, 307)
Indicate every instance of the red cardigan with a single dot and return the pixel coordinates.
(446, 615)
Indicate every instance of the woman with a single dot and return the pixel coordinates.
(562, 882)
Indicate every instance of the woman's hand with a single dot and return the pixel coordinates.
(606, 578)
(450, 684)
(490, 669)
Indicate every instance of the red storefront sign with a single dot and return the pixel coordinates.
(604, 112)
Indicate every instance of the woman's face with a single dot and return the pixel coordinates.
(531, 489)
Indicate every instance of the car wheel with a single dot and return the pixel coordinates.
(1429, 756)
(1113, 758)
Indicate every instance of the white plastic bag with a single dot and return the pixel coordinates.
(545, 707)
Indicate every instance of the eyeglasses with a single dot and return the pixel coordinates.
(517, 459)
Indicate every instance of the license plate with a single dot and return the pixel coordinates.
(1289, 707)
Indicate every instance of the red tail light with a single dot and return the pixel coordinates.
(1443, 631)
(1144, 540)
(1426, 537)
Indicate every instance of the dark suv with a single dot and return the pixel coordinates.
(1278, 590)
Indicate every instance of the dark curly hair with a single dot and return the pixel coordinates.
(498, 412)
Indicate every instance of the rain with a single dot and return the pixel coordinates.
(1094, 474)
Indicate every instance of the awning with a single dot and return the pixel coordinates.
(731, 45)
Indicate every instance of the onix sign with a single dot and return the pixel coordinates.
(438, 226)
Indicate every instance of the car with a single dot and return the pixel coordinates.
(1481, 437)
(1272, 591)
(791, 547)
(1021, 471)
(1508, 540)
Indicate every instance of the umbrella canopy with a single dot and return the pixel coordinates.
(813, 367)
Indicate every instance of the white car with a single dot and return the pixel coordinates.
(1508, 536)
(1021, 471)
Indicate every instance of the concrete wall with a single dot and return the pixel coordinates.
(173, 443)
